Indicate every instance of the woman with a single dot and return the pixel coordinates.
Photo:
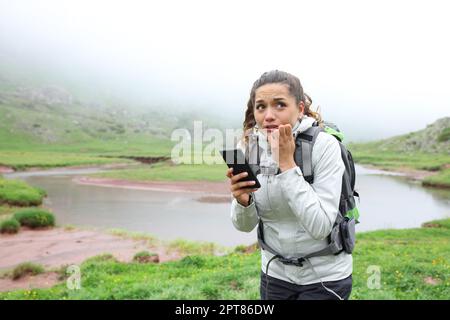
(297, 216)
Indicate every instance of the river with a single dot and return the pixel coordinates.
(388, 200)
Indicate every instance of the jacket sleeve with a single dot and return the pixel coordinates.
(316, 206)
(244, 218)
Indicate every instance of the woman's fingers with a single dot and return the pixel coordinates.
(238, 177)
(285, 134)
(285, 131)
(229, 173)
(243, 184)
(288, 131)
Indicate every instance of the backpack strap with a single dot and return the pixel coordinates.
(262, 243)
(333, 248)
(304, 143)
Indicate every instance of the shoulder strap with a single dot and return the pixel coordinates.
(304, 143)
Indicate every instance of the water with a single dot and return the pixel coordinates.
(387, 201)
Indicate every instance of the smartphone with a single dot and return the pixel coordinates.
(235, 159)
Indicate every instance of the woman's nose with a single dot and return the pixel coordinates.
(269, 116)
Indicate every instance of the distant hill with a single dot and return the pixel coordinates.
(435, 138)
(52, 115)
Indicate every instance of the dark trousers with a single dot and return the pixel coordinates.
(282, 290)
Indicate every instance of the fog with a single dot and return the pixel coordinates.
(376, 69)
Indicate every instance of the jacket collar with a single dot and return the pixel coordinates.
(300, 126)
(303, 124)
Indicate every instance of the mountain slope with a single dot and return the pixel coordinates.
(434, 139)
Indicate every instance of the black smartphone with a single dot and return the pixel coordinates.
(235, 159)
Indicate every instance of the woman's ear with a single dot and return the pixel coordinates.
(301, 107)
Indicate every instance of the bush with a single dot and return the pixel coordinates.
(102, 258)
(35, 218)
(145, 257)
(26, 268)
(444, 136)
(10, 226)
(19, 193)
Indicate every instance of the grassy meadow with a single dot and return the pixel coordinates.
(413, 264)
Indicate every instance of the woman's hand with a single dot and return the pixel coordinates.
(240, 190)
(283, 147)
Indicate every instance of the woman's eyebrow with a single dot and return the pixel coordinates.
(275, 99)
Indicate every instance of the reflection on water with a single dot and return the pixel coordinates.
(387, 201)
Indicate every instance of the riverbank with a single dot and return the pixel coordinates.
(413, 264)
(57, 248)
(432, 170)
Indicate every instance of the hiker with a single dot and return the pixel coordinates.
(294, 217)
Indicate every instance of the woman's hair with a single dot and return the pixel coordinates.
(295, 89)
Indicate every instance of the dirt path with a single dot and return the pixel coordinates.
(58, 247)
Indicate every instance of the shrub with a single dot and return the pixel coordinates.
(35, 218)
(145, 257)
(101, 258)
(26, 268)
(19, 193)
(444, 136)
(9, 226)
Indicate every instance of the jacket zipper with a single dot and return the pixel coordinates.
(267, 191)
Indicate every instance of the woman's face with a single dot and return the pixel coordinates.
(274, 106)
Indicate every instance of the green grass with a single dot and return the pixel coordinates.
(394, 160)
(6, 211)
(9, 226)
(166, 172)
(182, 246)
(19, 193)
(414, 264)
(26, 268)
(35, 218)
(20, 160)
(442, 179)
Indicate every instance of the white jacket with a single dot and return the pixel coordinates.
(297, 216)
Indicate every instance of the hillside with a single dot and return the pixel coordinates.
(435, 138)
(427, 150)
(50, 117)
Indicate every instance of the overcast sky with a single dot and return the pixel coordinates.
(376, 68)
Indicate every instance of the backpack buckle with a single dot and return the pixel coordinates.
(294, 262)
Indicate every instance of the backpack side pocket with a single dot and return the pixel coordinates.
(347, 227)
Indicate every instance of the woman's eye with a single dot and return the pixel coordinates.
(281, 104)
(259, 106)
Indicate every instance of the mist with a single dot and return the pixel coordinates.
(376, 69)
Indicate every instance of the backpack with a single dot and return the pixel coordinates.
(342, 236)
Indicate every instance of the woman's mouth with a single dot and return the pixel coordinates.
(271, 128)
